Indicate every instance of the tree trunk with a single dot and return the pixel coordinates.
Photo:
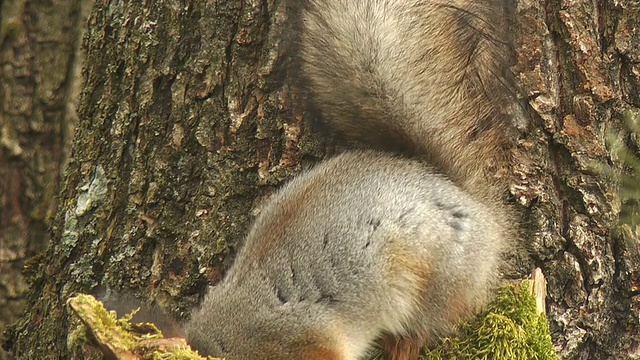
(40, 82)
(189, 120)
(579, 65)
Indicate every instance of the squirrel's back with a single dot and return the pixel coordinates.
(419, 77)
(364, 246)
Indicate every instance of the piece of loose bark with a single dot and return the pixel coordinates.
(118, 339)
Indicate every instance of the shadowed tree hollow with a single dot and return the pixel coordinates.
(188, 119)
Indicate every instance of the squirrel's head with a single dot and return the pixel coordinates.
(247, 326)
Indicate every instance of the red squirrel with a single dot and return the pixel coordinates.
(395, 242)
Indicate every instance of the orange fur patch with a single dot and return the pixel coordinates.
(409, 270)
(285, 216)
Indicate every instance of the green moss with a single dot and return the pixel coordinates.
(78, 337)
(119, 333)
(105, 324)
(510, 328)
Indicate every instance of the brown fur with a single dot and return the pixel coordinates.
(427, 78)
(402, 348)
(405, 264)
(320, 354)
(287, 215)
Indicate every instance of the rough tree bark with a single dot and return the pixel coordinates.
(579, 65)
(39, 74)
(189, 120)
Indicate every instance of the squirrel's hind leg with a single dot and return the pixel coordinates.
(402, 347)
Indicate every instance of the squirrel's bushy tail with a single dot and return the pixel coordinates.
(419, 77)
